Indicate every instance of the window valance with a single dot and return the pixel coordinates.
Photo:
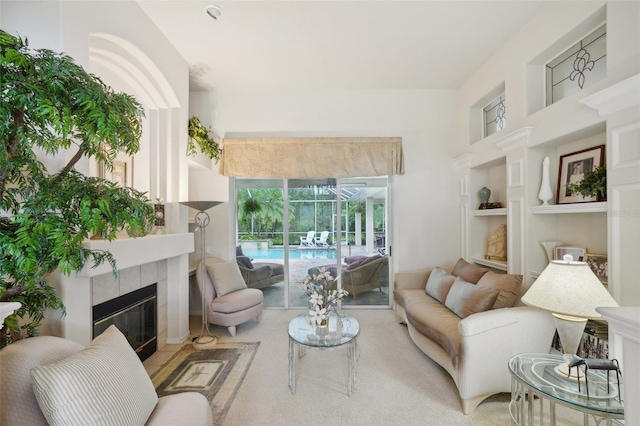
(296, 158)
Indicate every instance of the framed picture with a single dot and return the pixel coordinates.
(577, 252)
(122, 172)
(599, 266)
(572, 169)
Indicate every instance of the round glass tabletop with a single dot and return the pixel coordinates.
(342, 329)
(538, 372)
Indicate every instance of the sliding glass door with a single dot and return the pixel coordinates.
(337, 225)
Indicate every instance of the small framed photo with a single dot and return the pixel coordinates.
(122, 172)
(572, 169)
(577, 253)
(599, 266)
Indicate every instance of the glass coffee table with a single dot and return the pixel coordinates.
(534, 375)
(342, 330)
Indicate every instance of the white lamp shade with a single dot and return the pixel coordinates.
(568, 288)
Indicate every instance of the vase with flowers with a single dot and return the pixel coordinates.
(321, 289)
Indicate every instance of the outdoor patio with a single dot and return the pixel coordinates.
(298, 269)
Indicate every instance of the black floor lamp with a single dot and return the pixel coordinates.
(205, 340)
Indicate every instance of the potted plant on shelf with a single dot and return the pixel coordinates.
(200, 136)
(593, 184)
(49, 104)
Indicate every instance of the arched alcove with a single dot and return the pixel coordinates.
(123, 66)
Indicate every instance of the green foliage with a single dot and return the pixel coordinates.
(200, 136)
(594, 183)
(50, 103)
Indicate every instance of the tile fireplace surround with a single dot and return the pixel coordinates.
(161, 259)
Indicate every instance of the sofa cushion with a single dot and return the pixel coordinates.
(244, 261)
(439, 284)
(237, 301)
(239, 251)
(432, 319)
(469, 272)
(465, 298)
(104, 383)
(350, 259)
(226, 277)
(362, 262)
(508, 286)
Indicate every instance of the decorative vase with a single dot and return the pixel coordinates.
(484, 194)
(549, 247)
(322, 329)
(545, 193)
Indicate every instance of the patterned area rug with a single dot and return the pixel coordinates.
(216, 373)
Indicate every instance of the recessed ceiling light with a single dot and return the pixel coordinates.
(214, 11)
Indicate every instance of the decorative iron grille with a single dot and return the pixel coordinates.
(495, 116)
(579, 66)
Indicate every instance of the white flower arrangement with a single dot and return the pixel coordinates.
(322, 298)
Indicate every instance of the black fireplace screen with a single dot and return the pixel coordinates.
(135, 316)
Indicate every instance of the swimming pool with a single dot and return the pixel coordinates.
(278, 253)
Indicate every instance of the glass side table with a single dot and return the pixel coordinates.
(342, 330)
(533, 375)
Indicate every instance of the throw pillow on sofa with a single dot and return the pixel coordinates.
(439, 284)
(469, 272)
(508, 286)
(244, 261)
(465, 298)
(104, 383)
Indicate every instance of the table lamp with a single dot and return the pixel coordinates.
(205, 340)
(571, 292)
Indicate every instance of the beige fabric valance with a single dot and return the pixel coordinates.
(296, 158)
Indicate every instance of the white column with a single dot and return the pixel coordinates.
(369, 232)
(358, 233)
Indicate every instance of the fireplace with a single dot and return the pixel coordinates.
(135, 314)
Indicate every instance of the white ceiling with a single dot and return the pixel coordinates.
(345, 45)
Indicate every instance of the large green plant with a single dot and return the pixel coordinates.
(50, 104)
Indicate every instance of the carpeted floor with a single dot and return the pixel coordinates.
(396, 383)
(216, 373)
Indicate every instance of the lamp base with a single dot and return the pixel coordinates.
(204, 342)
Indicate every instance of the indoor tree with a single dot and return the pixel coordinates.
(50, 105)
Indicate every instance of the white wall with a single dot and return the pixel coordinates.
(424, 212)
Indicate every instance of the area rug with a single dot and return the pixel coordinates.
(215, 373)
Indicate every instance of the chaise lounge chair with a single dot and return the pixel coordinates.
(308, 240)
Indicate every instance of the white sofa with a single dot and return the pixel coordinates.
(104, 383)
(474, 350)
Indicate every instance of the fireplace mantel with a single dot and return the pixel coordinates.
(137, 251)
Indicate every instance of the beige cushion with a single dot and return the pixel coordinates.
(226, 277)
(105, 383)
(465, 298)
(508, 286)
(469, 272)
(237, 300)
(439, 284)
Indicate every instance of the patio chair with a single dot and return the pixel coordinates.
(308, 240)
(322, 240)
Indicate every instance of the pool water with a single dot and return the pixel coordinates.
(278, 253)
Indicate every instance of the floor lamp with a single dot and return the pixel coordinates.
(205, 340)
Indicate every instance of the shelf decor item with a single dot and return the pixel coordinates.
(576, 252)
(158, 208)
(545, 193)
(497, 244)
(599, 265)
(484, 194)
(571, 292)
(594, 184)
(573, 170)
(549, 248)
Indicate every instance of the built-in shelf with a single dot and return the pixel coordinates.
(599, 207)
(495, 264)
(490, 212)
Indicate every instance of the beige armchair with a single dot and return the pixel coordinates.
(230, 309)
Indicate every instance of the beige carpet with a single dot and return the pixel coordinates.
(396, 383)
